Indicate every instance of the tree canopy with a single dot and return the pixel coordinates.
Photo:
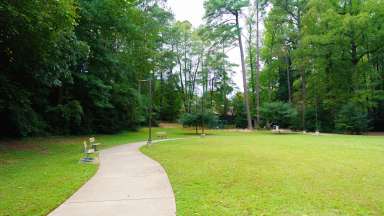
(79, 66)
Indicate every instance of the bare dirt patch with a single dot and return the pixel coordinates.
(169, 125)
(19, 145)
(376, 134)
(7, 162)
(239, 130)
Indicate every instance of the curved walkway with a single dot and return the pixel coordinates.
(127, 183)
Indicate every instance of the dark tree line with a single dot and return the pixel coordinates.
(326, 59)
(73, 66)
(77, 66)
(322, 61)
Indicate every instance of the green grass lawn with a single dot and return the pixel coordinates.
(268, 174)
(37, 174)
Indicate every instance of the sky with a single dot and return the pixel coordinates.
(193, 11)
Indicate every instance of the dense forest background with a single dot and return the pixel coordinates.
(78, 66)
(70, 67)
(326, 58)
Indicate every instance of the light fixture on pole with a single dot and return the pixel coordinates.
(149, 142)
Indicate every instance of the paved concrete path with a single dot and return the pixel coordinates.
(127, 183)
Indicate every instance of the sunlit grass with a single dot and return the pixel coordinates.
(236, 173)
(37, 174)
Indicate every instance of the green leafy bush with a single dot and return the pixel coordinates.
(16, 112)
(240, 115)
(65, 118)
(279, 113)
(210, 120)
(188, 120)
(352, 118)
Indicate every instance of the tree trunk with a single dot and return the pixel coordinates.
(270, 88)
(161, 94)
(203, 96)
(303, 94)
(303, 79)
(225, 100)
(211, 92)
(251, 63)
(186, 81)
(257, 65)
(182, 84)
(246, 99)
(289, 80)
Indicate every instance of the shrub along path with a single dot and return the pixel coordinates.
(127, 183)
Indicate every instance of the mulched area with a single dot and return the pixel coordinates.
(376, 133)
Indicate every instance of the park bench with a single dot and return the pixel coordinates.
(276, 129)
(161, 135)
(93, 143)
(87, 152)
(89, 148)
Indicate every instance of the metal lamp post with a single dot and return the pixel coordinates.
(149, 142)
